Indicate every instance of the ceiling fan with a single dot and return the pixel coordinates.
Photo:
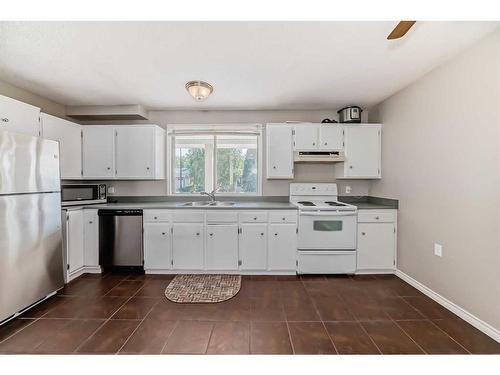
(401, 29)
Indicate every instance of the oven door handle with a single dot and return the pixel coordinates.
(328, 213)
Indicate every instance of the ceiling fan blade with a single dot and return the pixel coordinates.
(401, 29)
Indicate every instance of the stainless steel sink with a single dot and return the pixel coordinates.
(209, 204)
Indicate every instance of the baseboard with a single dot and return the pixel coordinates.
(457, 310)
(203, 272)
(81, 271)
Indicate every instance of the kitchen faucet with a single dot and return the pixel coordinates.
(210, 195)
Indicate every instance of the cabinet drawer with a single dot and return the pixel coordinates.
(188, 216)
(283, 216)
(222, 217)
(253, 217)
(154, 216)
(375, 216)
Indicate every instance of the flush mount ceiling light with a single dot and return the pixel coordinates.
(199, 90)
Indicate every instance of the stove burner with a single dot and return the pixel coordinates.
(305, 203)
(336, 204)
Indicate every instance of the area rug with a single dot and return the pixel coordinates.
(203, 288)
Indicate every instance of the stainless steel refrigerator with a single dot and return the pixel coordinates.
(31, 264)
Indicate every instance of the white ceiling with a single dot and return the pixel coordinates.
(252, 65)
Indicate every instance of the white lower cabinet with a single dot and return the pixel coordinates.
(74, 240)
(376, 250)
(90, 238)
(187, 246)
(253, 247)
(157, 246)
(282, 247)
(222, 247)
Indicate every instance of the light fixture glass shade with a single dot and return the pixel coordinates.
(199, 90)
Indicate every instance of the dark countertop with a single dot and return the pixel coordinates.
(371, 203)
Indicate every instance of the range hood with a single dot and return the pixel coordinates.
(318, 156)
(103, 112)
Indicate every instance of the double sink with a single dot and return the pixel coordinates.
(209, 204)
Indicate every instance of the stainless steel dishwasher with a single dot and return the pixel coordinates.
(120, 238)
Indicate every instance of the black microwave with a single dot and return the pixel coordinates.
(76, 194)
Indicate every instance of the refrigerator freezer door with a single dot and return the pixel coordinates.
(28, 164)
(30, 250)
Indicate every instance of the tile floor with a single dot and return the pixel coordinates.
(128, 314)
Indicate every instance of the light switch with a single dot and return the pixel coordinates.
(438, 250)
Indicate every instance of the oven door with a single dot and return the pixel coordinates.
(327, 230)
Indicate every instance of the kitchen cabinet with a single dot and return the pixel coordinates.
(331, 137)
(91, 238)
(98, 152)
(222, 247)
(376, 250)
(123, 152)
(140, 152)
(19, 117)
(74, 240)
(69, 136)
(282, 247)
(279, 151)
(306, 137)
(362, 148)
(253, 246)
(187, 246)
(157, 246)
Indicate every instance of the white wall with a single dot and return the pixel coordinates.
(441, 159)
(303, 172)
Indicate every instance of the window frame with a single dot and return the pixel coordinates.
(213, 130)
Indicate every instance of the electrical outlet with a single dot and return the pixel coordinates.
(348, 189)
(111, 190)
(438, 250)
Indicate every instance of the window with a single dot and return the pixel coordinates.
(202, 162)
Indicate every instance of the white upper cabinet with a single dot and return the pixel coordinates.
(19, 117)
(306, 137)
(362, 152)
(331, 137)
(98, 152)
(279, 151)
(124, 152)
(68, 134)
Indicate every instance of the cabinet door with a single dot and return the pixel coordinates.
(135, 150)
(98, 152)
(90, 238)
(282, 248)
(69, 136)
(222, 247)
(253, 247)
(376, 246)
(331, 137)
(19, 117)
(362, 151)
(306, 137)
(157, 246)
(279, 151)
(74, 233)
(187, 246)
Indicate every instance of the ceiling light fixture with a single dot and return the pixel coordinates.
(199, 90)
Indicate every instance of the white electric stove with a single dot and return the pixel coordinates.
(327, 229)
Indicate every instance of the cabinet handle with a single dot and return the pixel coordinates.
(283, 218)
(109, 168)
(274, 167)
(90, 222)
(363, 233)
(147, 168)
(163, 233)
(210, 234)
(376, 217)
(326, 143)
(314, 143)
(5, 119)
(255, 218)
(350, 167)
(275, 234)
(198, 233)
(262, 234)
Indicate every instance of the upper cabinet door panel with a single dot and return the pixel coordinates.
(68, 134)
(362, 151)
(98, 151)
(135, 152)
(279, 151)
(306, 137)
(19, 117)
(331, 137)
